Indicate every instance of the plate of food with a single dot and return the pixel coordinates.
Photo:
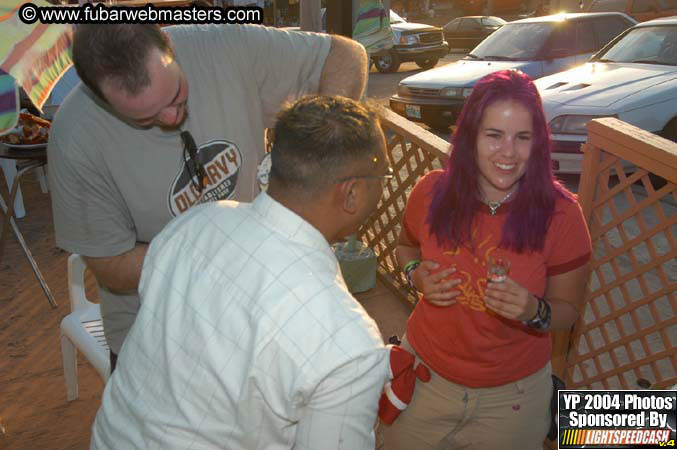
(31, 132)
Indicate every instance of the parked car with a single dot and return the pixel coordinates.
(538, 46)
(487, 7)
(640, 10)
(634, 79)
(417, 42)
(468, 32)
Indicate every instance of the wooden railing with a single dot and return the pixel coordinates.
(628, 329)
(413, 151)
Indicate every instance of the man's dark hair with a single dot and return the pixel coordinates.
(118, 52)
(318, 139)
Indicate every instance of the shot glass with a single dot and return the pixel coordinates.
(498, 268)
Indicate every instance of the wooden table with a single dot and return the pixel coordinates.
(27, 160)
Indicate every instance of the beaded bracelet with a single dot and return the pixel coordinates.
(408, 268)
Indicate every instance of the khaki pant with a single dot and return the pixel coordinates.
(445, 416)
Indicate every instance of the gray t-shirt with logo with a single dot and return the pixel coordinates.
(114, 185)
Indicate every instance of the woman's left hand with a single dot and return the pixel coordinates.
(510, 300)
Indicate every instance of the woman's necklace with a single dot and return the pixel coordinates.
(493, 206)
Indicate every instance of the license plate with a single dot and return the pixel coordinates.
(413, 111)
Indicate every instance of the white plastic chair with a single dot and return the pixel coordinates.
(82, 330)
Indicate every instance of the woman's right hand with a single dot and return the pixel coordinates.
(434, 286)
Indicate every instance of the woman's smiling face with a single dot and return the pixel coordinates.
(503, 147)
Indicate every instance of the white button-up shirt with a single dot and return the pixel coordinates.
(247, 338)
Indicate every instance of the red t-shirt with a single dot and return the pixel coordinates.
(467, 343)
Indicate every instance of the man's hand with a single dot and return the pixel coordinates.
(435, 286)
(345, 69)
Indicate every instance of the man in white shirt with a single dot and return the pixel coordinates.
(247, 336)
(167, 118)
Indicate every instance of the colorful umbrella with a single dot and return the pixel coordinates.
(9, 103)
(36, 54)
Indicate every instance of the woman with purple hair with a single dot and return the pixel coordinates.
(499, 250)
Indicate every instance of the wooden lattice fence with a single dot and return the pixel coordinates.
(413, 152)
(627, 331)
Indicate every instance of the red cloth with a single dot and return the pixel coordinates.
(398, 393)
(467, 343)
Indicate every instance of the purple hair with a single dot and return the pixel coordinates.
(456, 196)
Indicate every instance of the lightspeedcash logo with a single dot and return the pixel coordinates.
(617, 419)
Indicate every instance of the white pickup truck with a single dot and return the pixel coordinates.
(417, 42)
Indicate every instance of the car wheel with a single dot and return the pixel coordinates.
(387, 63)
(427, 63)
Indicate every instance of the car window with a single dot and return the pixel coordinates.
(607, 28)
(494, 21)
(468, 24)
(608, 6)
(646, 45)
(452, 26)
(667, 54)
(394, 18)
(585, 37)
(518, 41)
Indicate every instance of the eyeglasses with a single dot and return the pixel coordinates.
(195, 168)
(384, 178)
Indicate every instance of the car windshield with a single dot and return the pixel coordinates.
(515, 41)
(647, 45)
(394, 18)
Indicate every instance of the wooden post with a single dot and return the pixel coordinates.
(311, 16)
(561, 340)
(340, 17)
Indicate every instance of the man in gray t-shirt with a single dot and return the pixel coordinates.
(167, 118)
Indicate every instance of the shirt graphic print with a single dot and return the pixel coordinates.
(473, 270)
(222, 161)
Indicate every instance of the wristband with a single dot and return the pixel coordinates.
(408, 268)
(542, 318)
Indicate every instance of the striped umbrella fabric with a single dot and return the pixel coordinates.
(372, 28)
(37, 54)
(9, 103)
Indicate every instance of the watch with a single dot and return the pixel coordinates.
(542, 318)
